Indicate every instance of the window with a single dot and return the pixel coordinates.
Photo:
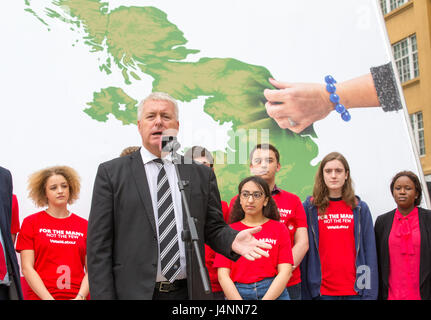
(389, 5)
(417, 122)
(406, 58)
(396, 3)
(384, 5)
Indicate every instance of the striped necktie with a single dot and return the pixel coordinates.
(168, 235)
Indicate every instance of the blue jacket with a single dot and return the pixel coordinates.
(366, 284)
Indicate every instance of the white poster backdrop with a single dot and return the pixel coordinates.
(48, 76)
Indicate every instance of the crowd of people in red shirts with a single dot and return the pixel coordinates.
(326, 247)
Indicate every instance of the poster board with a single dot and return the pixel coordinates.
(74, 71)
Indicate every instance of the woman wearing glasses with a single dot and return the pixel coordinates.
(341, 263)
(264, 278)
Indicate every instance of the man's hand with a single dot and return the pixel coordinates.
(248, 246)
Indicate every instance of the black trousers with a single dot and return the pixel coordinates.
(4, 292)
(181, 293)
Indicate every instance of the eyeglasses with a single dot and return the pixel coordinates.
(256, 195)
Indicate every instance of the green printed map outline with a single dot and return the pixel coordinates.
(142, 40)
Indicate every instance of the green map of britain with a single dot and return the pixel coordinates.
(143, 40)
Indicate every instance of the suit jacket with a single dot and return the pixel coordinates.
(382, 228)
(122, 245)
(5, 222)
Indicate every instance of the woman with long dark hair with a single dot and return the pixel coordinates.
(341, 263)
(404, 244)
(264, 278)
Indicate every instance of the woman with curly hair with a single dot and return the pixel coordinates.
(404, 243)
(341, 262)
(52, 242)
(264, 278)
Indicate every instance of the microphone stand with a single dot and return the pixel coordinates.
(190, 236)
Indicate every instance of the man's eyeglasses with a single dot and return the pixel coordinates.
(256, 195)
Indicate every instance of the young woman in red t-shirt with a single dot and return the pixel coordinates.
(341, 263)
(52, 242)
(264, 278)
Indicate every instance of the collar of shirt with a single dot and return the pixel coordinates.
(147, 156)
(412, 214)
(403, 226)
(275, 190)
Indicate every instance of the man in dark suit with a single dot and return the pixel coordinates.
(126, 247)
(10, 286)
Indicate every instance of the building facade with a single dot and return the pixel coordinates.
(408, 23)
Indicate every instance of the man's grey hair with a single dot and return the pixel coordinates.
(158, 96)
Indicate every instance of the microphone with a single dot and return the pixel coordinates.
(170, 144)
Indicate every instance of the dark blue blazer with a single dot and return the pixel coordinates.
(5, 222)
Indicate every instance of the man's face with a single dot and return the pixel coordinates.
(157, 117)
(264, 164)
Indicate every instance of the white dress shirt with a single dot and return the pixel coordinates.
(152, 171)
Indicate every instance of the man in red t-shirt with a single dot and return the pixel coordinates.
(265, 162)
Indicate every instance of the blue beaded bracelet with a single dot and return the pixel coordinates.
(335, 99)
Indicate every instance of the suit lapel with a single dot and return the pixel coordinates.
(138, 172)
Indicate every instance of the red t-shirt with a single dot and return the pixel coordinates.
(337, 250)
(210, 256)
(14, 226)
(292, 214)
(245, 271)
(59, 252)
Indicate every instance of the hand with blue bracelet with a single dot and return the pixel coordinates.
(296, 106)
